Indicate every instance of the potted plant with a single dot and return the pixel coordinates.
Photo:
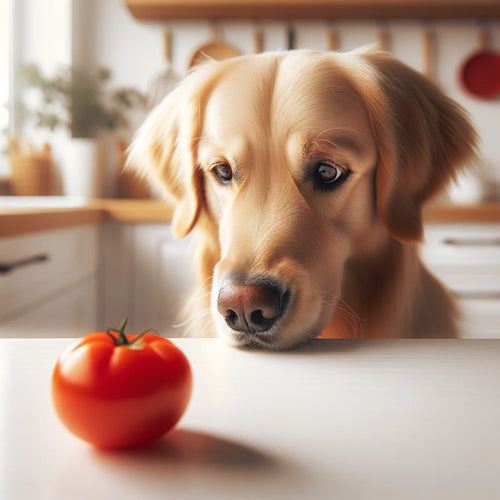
(81, 102)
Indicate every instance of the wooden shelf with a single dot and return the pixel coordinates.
(313, 9)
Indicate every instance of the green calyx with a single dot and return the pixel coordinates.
(121, 339)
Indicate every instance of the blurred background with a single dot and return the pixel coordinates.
(83, 244)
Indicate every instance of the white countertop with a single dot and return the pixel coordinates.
(338, 419)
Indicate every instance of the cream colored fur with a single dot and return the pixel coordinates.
(349, 255)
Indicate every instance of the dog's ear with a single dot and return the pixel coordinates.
(424, 138)
(164, 149)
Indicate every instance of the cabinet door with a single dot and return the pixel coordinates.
(70, 314)
(480, 317)
(67, 257)
(163, 276)
(466, 258)
(115, 296)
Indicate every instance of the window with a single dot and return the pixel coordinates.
(6, 77)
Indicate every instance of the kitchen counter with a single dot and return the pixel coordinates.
(19, 221)
(481, 212)
(335, 419)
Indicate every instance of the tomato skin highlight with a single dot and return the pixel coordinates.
(121, 396)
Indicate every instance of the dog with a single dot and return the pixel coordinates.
(305, 173)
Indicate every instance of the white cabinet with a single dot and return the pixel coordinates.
(466, 257)
(70, 314)
(163, 278)
(52, 290)
(88, 278)
(147, 276)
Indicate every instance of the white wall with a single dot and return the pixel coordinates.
(105, 33)
(43, 32)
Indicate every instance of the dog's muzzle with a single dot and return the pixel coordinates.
(251, 306)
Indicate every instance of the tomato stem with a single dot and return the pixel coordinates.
(121, 331)
(141, 333)
(121, 339)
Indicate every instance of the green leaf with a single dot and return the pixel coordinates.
(78, 99)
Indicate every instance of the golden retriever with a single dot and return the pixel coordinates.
(304, 173)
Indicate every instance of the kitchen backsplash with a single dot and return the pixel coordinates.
(105, 33)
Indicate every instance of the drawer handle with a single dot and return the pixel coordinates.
(472, 242)
(7, 267)
(478, 294)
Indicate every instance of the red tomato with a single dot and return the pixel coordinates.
(121, 391)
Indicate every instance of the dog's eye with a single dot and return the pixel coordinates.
(328, 175)
(223, 172)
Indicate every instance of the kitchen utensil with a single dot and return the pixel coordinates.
(167, 79)
(290, 36)
(216, 49)
(332, 40)
(258, 41)
(479, 75)
(428, 53)
(383, 39)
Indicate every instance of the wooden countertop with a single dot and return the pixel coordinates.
(14, 222)
(481, 212)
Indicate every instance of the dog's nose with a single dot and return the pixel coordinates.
(250, 307)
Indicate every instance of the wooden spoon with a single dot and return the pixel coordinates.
(332, 39)
(383, 39)
(428, 53)
(258, 41)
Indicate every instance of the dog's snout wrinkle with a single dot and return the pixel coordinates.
(250, 308)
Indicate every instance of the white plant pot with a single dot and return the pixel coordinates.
(82, 168)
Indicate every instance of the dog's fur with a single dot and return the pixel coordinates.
(347, 255)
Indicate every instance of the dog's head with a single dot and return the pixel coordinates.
(292, 163)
